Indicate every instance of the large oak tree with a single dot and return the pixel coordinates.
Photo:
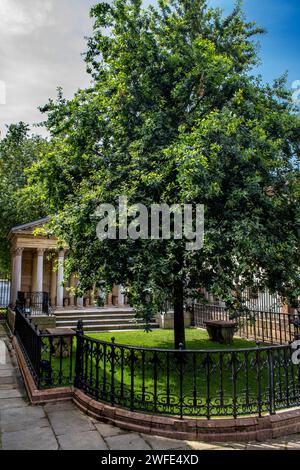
(173, 115)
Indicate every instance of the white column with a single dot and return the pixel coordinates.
(60, 279)
(34, 273)
(17, 274)
(40, 270)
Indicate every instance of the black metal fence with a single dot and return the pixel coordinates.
(202, 383)
(207, 384)
(267, 327)
(34, 303)
(49, 357)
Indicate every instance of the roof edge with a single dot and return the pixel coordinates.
(32, 224)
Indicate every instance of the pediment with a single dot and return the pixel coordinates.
(30, 227)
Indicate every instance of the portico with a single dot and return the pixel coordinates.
(38, 266)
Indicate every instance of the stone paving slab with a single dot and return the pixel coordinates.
(8, 372)
(107, 430)
(129, 441)
(8, 386)
(60, 406)
(195, 445)
(30, 439)
(8, 380)
(264, 446)
(162, 443)
(10, 403)
(90, 440)
(6, 366)
(293, 446)
(64, 422)
(17, 419)
(10, 394)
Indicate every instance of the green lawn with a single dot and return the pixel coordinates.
(164, 339)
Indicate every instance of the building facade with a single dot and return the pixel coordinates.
(37, 265)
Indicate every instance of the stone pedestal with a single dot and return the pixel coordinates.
(166, 321)
(11, 318)
(43, 322)
(61, 341)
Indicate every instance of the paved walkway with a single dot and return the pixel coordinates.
(63, 426)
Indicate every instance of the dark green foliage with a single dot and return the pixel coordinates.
(174, 116)
(19, 203)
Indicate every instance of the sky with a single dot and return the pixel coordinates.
(41, 42)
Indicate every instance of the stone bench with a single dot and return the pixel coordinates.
(221, 331)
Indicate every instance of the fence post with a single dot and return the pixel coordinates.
(112, 391)
(272, 409)
(16, 325)
(181, 359)
(79, 354)
(258, 379)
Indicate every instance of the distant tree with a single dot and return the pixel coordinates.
(18, 203)
(174, 116)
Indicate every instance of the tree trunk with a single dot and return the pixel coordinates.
(179, 331)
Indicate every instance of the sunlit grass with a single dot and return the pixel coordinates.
(164, 339)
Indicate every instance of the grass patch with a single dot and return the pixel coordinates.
(164, 339)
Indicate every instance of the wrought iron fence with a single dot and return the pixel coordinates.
(268, 327)
(50, 358)
(206, 383)
(201, 383)
(34, 303)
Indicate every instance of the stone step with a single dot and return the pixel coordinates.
(8, 386)
(6, 368)
(109, 327)
(90, 311)
(100, 321)
(91, 316)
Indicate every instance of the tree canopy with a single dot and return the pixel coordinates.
(174, 115)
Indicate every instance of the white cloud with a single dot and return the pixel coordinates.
(2, 92)
(19, 17)
(41, 42)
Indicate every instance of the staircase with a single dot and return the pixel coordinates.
(100, 319)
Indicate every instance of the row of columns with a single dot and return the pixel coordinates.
(57, 278)
(57, 288)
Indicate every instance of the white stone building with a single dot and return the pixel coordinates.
(38, 266)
